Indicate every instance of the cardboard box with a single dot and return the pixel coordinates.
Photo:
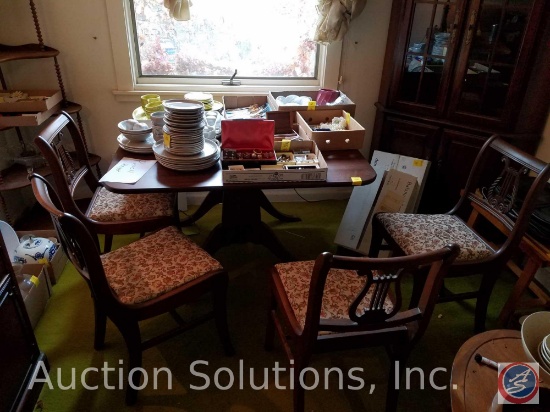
(355, 228)
(277, 173)
(352, 138)
(28, 119)
(272, 96)
(55, 267)
(30, 105)
(358, 211)
(38, 296)
(418, 168)
(395, 197)
(234, 102)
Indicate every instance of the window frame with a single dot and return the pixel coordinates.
(129, 84)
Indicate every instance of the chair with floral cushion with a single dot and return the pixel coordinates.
(494, 191)
(340, 302)
(149, 277)
(108, 213)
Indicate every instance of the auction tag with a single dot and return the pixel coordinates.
(418, 162)
(285, 145)
(311, 105)
(356, 181)
(166, 139)
(44, 261)
(34, 280)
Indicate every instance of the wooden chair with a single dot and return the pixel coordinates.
(340, 302)
(149, 277)
(493, 190)
(108, 213)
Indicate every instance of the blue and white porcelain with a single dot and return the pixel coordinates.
(31, 249)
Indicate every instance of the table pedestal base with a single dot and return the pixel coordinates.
(242, 222)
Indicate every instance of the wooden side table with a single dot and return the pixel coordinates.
(476, 384)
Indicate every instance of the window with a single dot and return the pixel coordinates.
(267, 42)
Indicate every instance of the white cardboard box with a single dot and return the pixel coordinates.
(30, 105)
(418, 168)
(360, 204)
(351, 138)
(355, 226)
(277, 173)
(28, 119)
(349, 106)
(37, 298)
(395, 196)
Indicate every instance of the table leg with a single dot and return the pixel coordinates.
(269, 208)
(522, 284)
(212, 199)
(215, 197)
(242, 222)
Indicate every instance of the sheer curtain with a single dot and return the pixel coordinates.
(179, 9)
(335, 17)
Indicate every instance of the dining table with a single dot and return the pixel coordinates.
(241, 220)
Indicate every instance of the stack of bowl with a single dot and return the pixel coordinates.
(151, 103)
(535, 336)
(134, 131)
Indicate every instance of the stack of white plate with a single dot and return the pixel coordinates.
(145, 146)
(208, 157)
(544, 353)
(183, 127)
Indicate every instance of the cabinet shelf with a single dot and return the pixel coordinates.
(16, 176)
(26, 51)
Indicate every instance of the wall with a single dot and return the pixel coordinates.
(79, 30)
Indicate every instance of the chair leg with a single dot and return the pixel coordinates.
(100, 328)
(270, 326)
(219, 302)
(392, 395)
(376, 239)
(108, 244)
(299, 392)
(132, 337)
(485, 289)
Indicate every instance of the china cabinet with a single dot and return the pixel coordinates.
(455, 72)
(19, 352)
(15, 176)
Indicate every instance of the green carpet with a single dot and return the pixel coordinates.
(65, 334)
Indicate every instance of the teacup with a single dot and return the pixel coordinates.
(145, 99)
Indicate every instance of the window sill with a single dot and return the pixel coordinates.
(177, 91)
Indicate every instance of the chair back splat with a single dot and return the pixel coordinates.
(491, 193)
(128, 285)
(61, 143)
(340, 302)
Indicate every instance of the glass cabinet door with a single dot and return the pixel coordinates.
(432, 33)
(491, 55)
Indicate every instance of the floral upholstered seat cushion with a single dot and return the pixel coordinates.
(341, 288)
(155, 264)
(111, 207)
(423, 233)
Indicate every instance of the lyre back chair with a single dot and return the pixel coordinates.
(340, 302)
(108, 213)
(149, 277)
(493, 191)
